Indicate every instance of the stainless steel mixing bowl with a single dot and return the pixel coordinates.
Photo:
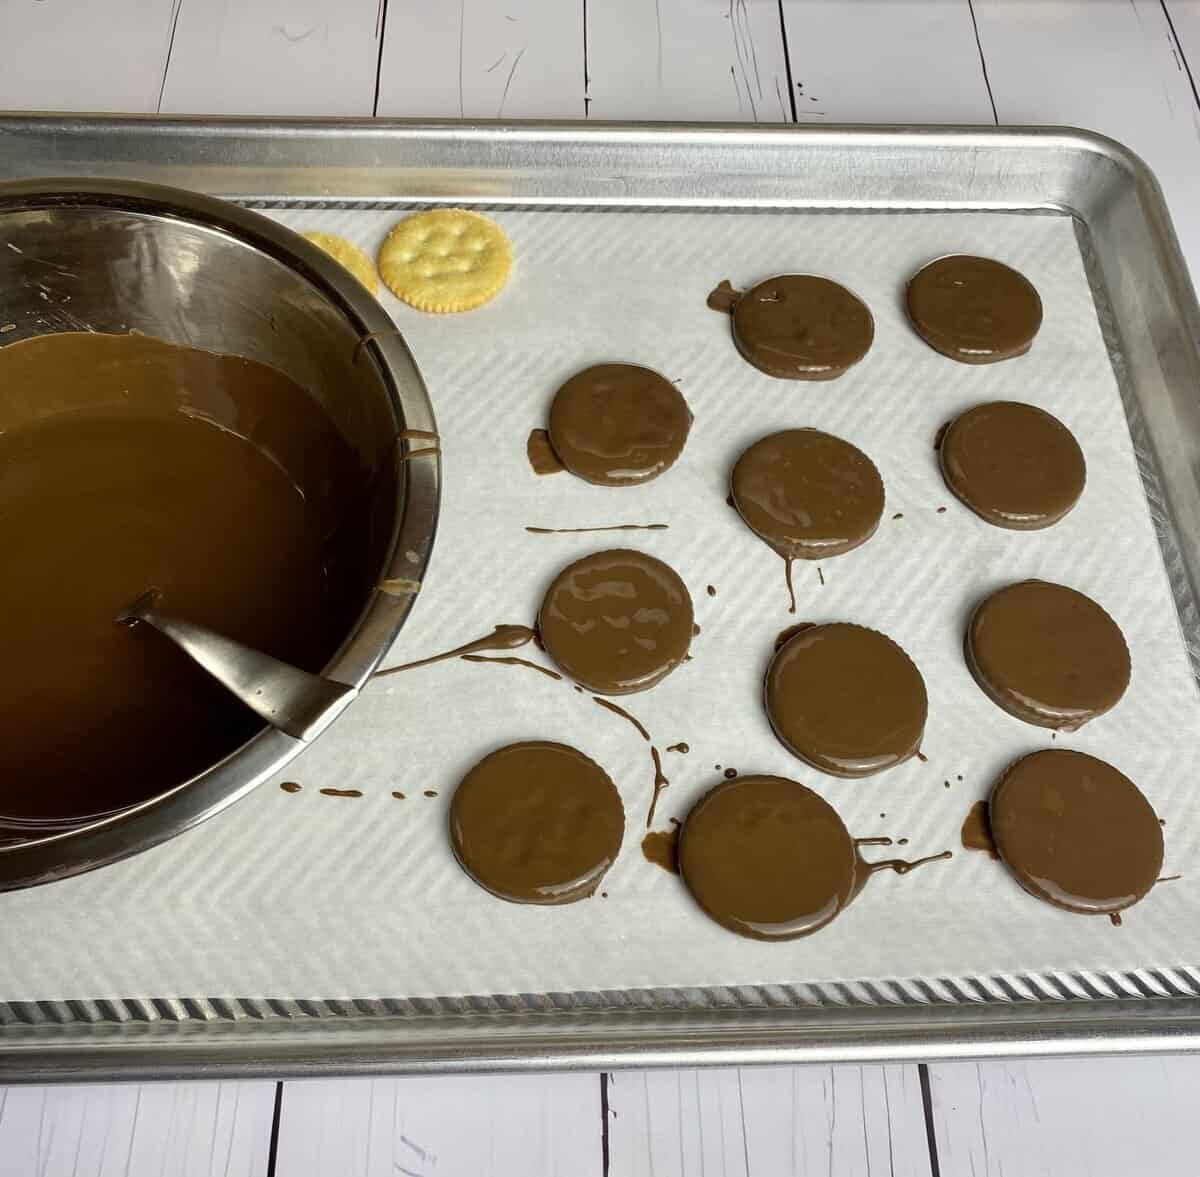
(117, 257)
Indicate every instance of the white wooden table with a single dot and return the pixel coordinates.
(1117, 66)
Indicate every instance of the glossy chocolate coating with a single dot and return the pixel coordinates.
(617, 621)
(973, 309)
(768, 858)
(846, 700)
(1047, 654)
(537, 822)
(802, 327)
(808, 494)
(618, 424)
(1013, 464)
(1076, 832)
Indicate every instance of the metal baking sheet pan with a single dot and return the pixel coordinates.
(353, 176)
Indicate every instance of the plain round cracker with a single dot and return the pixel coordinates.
(446, 259)
(349, 255)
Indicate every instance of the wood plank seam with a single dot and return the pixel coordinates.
(983, 62)
(587, 114)
(1178, 49)
(162, 86)
(927, 1103)
(604, 1146)
(787, 62)
(276, 1116)
(743, 40)
(380, 34)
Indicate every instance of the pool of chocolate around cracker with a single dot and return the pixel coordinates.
(126, 463)
(540, 453)
(661, 847)
(976, 830)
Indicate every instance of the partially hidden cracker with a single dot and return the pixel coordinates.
(349, 255)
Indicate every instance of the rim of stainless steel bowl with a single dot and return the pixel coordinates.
(418, 487)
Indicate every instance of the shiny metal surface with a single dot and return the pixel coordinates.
(112, 256)
(1149, 312)
(299, 704)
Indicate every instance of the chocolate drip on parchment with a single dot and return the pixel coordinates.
(514, 661)
(610, 527)
(503, 637)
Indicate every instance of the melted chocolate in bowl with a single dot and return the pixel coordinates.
(617, 621)
(537, 823)
(767, 858)
(1076, 832)
(125, 463)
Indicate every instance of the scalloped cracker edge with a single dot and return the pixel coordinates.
(445, 260)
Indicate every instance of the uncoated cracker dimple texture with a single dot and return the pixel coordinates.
(444, 260)
(349, 255)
